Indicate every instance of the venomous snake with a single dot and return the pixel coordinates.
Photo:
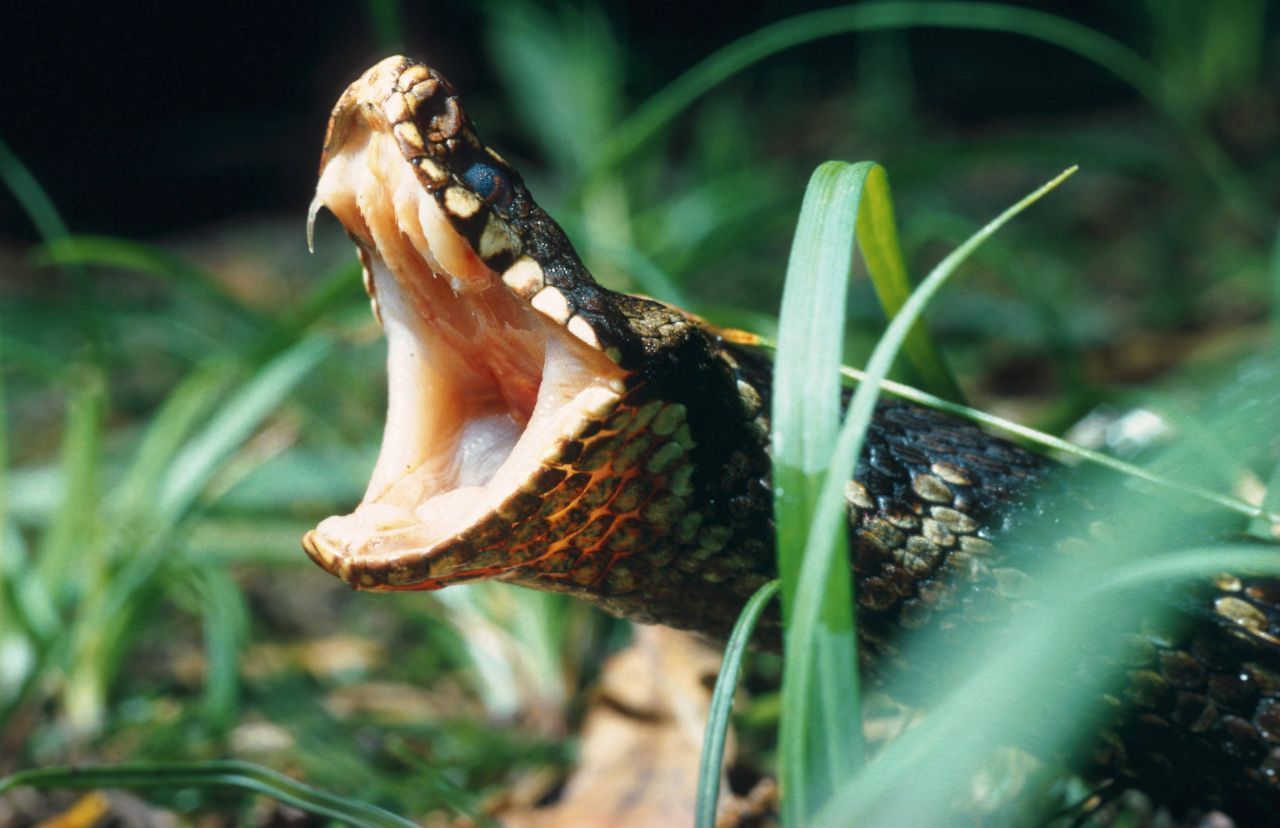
(545, 431)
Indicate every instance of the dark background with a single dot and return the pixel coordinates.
(144, 118)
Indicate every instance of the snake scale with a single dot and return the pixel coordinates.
(548, 432)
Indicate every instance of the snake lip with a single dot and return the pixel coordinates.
(487, 383)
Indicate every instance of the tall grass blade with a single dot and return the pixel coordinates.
(878, 243)
(810, 623)
(66, 559)
(722, 705)
(820, 733)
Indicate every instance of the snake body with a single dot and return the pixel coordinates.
(548, 432)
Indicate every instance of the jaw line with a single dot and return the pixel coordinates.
(482, 388)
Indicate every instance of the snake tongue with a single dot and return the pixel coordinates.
(481, 386)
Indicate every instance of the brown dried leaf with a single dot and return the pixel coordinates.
(640, 743)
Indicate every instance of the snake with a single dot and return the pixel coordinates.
(548, 432)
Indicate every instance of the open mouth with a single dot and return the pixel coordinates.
(490, 377)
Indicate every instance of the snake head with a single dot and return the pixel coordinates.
(516, 437)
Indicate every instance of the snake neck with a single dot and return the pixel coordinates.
(681, 473)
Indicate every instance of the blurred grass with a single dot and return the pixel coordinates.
(168, 441)
(239, 775)
(1057, 31)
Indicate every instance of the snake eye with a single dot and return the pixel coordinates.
(489, 183)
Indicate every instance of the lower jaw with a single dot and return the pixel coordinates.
(432, 499)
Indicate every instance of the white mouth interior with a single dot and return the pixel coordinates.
(480, 385)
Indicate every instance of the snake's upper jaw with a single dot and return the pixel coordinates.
(485, 390)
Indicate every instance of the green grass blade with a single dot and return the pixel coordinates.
(49, 224)
(126, 254)
(1271, 500)
(225, 622)
(31, 619)
(878, 242)
(26, 599)
(1267, 524)
(1268, 513)
(722, 705)
(336, 290)
(27, 615)
(999, 682)
(830, 513)
(820, 733)
(1190, 563)
(824, 547)
(4, 470)
(811, 325)
(63, 560)
(222, 774)
(563, 68)
(34, 200)
(665, 106)
(193, 399)
(863, 403)
(1275, 293)
(96, 644)
(240, 415)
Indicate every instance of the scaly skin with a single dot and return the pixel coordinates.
(655, 502)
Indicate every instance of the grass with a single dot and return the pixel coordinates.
(175, 482)
(238, 775)
(820, 682)
(948, 743)
(1047, 28)
(821, 742)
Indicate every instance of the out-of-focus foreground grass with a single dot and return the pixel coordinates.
(176, 416)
